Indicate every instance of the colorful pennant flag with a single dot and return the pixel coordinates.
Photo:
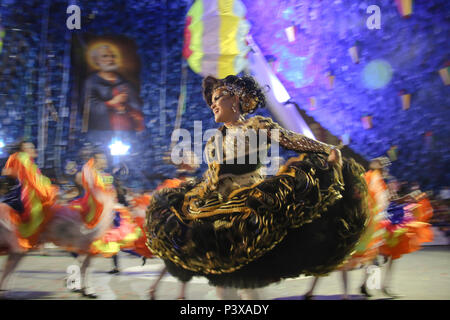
(393, 153)
(404, 7)
(445, 75)
(367, 122)
(406, 99)
(290, 33)
(354, 54)
(330, 78)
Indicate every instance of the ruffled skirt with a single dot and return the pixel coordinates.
(125, 234)
(406, 234)
(304, 220)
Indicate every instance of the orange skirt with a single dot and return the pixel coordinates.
(115, 239)
(406, 239)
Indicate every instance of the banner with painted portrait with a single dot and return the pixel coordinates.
(106, 74)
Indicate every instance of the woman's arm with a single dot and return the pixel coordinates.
(7, 172)
(289, 139)
(296, 141)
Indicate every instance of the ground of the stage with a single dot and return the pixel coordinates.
(421, 275)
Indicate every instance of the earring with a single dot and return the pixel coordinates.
(234, 110)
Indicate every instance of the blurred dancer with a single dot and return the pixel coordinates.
(185, 169)
(27, 202)
(76, 226)
(367, 247)
(121, 199)
(31, 190)
(71, 185)
(139, 203)
(123, 231)
(406, 228)
(138, 248)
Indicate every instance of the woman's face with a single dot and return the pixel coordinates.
(29, 148)
(101, 162)
(222, 106)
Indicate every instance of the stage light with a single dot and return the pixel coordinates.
(376, 74)
(2, 144)
(278, 89)
(118, 148)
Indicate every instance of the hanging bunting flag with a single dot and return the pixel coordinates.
(428, 139)
(2, 36)
(354, 53)
(367, 122)
(445, 73)
(404, 7)
(312, 103)
(392, 153)
(215, 37)
(330, 78)
(91, 15)
(406, 99)
(291, 32)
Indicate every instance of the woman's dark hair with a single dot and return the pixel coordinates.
(121, 192)
(250, 95)
(17, 146)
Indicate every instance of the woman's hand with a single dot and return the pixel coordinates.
(335, 157)
(7, 172)
(119, 99)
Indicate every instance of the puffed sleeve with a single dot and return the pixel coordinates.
(289, 139)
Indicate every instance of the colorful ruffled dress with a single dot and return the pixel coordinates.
(423, 211)
(240, 228)
(368, 245)
(123, 231)
(405, 229)
(123, 235)
(37, 195)
(140, 204)
(89, 206)
(128, 232)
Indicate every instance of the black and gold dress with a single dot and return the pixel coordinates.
(241, 228)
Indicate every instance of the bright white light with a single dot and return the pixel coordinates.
(118, 148)
(290, 33)
(279, 91)
(2, 144)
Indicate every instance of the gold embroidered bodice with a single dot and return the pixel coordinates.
(234, 151)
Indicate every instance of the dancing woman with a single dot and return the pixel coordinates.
(242, 229)
(27, 206)
(405, 227)
(79, 226)
(34, 195)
